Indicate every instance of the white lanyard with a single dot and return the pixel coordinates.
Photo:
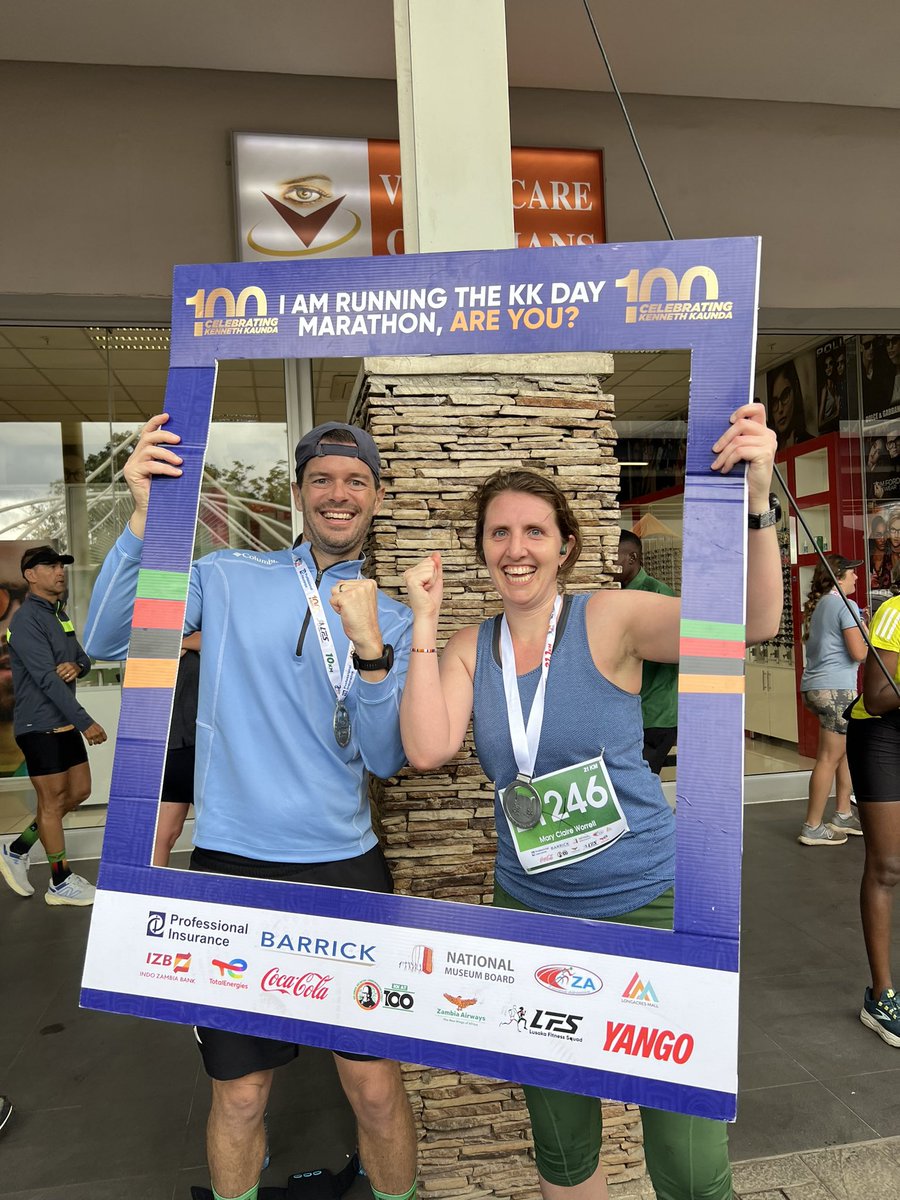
(341, 683)
(525, 740)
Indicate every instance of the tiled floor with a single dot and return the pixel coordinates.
(113, 1107)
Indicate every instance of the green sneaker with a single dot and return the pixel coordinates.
(846, 823)
(882, 1015)
(822, 835)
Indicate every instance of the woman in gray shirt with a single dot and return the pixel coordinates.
(834, 649)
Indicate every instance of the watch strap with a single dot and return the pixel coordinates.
(384, 662)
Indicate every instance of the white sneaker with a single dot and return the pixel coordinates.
(14, 869)
(72, 890)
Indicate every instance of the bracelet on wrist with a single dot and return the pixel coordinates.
(423, 649)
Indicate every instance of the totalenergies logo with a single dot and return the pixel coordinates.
(231, 317)
(674, 300)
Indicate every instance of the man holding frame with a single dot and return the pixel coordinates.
(295, 711)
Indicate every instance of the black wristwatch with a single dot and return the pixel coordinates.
(384, 662)
(772, 515)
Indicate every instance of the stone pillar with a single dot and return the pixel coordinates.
(442, 424)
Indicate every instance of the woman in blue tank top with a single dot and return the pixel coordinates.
(566, 673)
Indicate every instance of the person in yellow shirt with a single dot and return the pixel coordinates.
(873, 755)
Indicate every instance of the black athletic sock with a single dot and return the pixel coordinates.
(59, 868)
(25, 840)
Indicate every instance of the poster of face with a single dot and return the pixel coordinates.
(791, 401)
(831, 385)
(879, 357)
(13, 590)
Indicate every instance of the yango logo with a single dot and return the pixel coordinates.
(156, 924)
(568, 980)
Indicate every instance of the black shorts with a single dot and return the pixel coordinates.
(873, 756)
(52, 753)
(178, 780)
(229, 1055)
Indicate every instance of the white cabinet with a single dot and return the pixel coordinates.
(771, 701)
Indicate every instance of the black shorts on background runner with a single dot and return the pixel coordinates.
(229, 1055)
(52, 753)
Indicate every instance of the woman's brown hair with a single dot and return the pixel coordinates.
(821, 584)
(530, 484)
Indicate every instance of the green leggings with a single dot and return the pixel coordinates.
(687, 1157)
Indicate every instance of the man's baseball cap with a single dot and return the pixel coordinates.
(316, 444)
(39, 556)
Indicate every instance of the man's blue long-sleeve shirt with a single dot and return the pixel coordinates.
(271, 782)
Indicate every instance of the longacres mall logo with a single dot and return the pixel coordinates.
(638, 992)
(306, 207)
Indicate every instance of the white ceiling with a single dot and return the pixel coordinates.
(817, 51)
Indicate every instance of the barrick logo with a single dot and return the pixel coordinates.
(569, 980)
(312, 985)
(640, 1042)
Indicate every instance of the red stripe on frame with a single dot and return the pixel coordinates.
(159, 614)
(712, 648)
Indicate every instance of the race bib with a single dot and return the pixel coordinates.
(580, 816)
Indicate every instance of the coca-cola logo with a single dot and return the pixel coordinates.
(311, 986)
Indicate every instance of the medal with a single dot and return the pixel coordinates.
(340, 723)
(341, 682)
(521, 803)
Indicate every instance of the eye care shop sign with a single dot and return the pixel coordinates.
(623, 1012)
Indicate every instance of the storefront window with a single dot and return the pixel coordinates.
(72, 403)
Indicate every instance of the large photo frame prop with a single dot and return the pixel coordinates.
(630, 1013)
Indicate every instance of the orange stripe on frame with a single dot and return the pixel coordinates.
(708, 684)
(150, 673)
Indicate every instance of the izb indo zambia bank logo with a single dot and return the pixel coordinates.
(221, 314)
(659, 295)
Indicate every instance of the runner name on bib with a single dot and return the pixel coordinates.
(580, 816)
(341, 681)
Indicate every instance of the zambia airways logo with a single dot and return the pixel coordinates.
(219, 313)
(659, 295)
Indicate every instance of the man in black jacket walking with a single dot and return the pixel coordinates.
(50, 725)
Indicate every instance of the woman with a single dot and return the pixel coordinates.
(834, 649)
(880, 563)
(873, 754)
(575, 667)
(786, 406)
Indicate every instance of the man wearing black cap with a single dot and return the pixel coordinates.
(50, 725)
(300, 681)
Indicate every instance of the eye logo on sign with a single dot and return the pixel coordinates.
(302, 194)
(156, 923)
(678, 303)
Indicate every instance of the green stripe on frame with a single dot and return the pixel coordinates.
(162, 585)
(720, 630)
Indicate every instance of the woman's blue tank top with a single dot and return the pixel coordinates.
(583, 714)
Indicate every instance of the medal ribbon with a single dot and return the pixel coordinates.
(340, 683)
(524, 739)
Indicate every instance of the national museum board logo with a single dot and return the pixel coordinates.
(298, 197)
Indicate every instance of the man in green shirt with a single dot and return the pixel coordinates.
(659, 689)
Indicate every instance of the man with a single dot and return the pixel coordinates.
(50, 725)
(659, 687)
(287, 734)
